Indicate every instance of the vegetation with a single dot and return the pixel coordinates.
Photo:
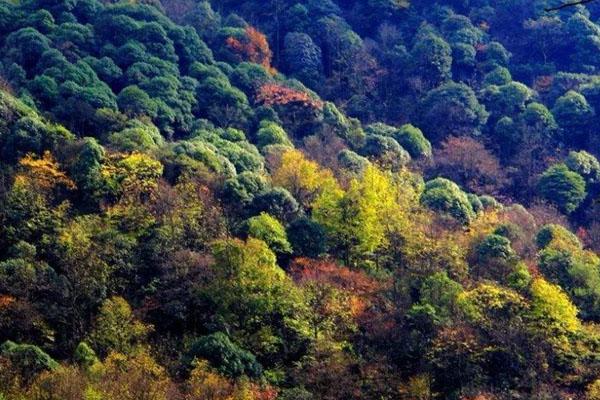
(317, 200)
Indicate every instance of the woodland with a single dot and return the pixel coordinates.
(299, 200)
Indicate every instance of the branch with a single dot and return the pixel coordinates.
(570, 4)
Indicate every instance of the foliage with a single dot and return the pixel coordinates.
(562, 187)
(223, 354)
(237, 199)
(270, 231)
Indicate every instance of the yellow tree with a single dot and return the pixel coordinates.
(361, 219)
(303, 178)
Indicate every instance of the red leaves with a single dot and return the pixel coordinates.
(304, 270)
(272, 94)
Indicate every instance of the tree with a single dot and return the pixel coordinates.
(574, 115)
(451, 109)
(508, 99)
(137, 376)
(494, 258)
(562, 187)
(386, 151)
(254, 298)
(552, 311)
(254, 47)
(302, 177)
(224, 355)
(307, 237)
(585, 164)
(134, 102)
(336, 296)
(270, 231)
(28, 359)
(358, 220)
(277, 202)
(446, 197)
(432, 60)
(441, 293)
(116, 329)
(467, 162)
(270, 133)
(303, 58)
(412, 139)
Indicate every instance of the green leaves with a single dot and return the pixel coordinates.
(562, 187)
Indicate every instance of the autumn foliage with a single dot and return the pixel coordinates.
(254, 47)
(272, 94)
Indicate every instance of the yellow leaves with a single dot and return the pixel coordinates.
(374, 206)
(418, 387)
(593, 390)
(303, 178)
(552, 308)
(133, 378)
(488, 301)
(135, 175)
(140, 173)
(134, 178)
(42, 174)
(206, 384)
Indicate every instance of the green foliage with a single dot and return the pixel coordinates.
(413, 140)
(442, 293)
(573, 114)
(135, 102)
(84, 355)
(307, 238)
(224, 355)
(498, 76)
(271, 133)
(186, 139)
(562, 187)
(585, 164)
(557, 236)
(255, 297)
(446, 197)
(28, 359)
(432, 59)
(451, 109)
(270, 231)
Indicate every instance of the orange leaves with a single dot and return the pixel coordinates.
(43, 173)
(254, 47)
(6, 300)
(272, 94)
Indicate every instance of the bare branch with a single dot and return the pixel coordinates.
(570, 4)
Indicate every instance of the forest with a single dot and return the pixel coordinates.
(299, 200)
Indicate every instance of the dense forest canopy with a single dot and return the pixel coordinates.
(299, 200)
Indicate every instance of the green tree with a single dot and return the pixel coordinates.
(254, 298)
(224, 355)
(270, 231)
(451, 109)
(574, 116)
(446, 197)
(134, 102)
(562, 187)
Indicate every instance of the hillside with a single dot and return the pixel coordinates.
(318, 200)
